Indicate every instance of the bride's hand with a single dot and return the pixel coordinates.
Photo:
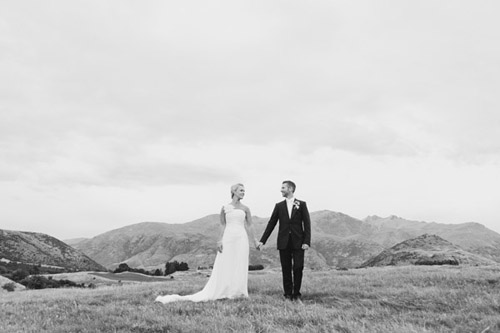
(219, 246)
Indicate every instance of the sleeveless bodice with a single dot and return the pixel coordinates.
(234, 217)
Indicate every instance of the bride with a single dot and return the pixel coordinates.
(229, 277)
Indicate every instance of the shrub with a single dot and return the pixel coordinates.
(9, 286)
(431, 262)
(182, 266)
(34, 270)
(122, 268)
(19, 274)
(125, 268)
(41, 282)
(255, 267)
(172, 267)
(34, 282)
(3, 270)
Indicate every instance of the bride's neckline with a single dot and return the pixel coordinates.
(235, 208)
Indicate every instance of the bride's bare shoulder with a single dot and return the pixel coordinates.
(245, 208)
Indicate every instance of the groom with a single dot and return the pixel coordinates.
(294, 237)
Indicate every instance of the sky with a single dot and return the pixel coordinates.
(119, 112)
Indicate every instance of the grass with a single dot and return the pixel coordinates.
(392, 299)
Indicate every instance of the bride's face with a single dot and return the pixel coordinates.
(240, 192)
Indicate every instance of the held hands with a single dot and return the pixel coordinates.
(259, 245)
(219, 246)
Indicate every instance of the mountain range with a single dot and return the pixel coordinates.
(338, 240)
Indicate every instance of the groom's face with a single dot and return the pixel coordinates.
(285, 190)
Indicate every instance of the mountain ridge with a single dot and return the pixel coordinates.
(338, 241)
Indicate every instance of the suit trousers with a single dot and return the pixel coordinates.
(292, 260)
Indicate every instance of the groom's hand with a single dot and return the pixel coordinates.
(259, 245)
(305, 246)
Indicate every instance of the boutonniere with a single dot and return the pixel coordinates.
(296, 204)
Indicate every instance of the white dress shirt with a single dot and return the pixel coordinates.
(289, 205)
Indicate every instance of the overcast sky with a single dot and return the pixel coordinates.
(119, 112)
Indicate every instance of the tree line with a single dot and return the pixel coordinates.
(170, 267)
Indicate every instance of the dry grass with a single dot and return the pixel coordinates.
(394, 299)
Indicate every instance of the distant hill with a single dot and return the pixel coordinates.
(471, 236)
(426, 250)
(338, 240)
(151, 244)
(41, 249)
(74, 241)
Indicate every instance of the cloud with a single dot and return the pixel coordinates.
(74, 160)
(336, 75)
(94, 93)
(170, 174)
(113, 114)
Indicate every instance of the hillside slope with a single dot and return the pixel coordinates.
(37, 248)
(426, 250)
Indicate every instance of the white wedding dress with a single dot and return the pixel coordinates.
(229, 277)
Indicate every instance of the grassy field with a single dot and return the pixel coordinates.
(393, 299)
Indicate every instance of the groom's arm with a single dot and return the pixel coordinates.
(307, 225)
(270, 225)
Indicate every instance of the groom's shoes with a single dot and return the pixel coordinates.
(288, 297)
(297, 298)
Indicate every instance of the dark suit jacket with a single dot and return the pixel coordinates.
(297, 228)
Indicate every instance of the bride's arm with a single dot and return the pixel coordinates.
(223, 223)
(249, 225)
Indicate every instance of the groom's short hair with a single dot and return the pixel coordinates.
(290, 184)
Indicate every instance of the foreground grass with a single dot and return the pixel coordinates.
(404, 299)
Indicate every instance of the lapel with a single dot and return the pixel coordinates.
(285, 209)
(294, 209)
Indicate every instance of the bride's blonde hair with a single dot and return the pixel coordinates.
(234, 188)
